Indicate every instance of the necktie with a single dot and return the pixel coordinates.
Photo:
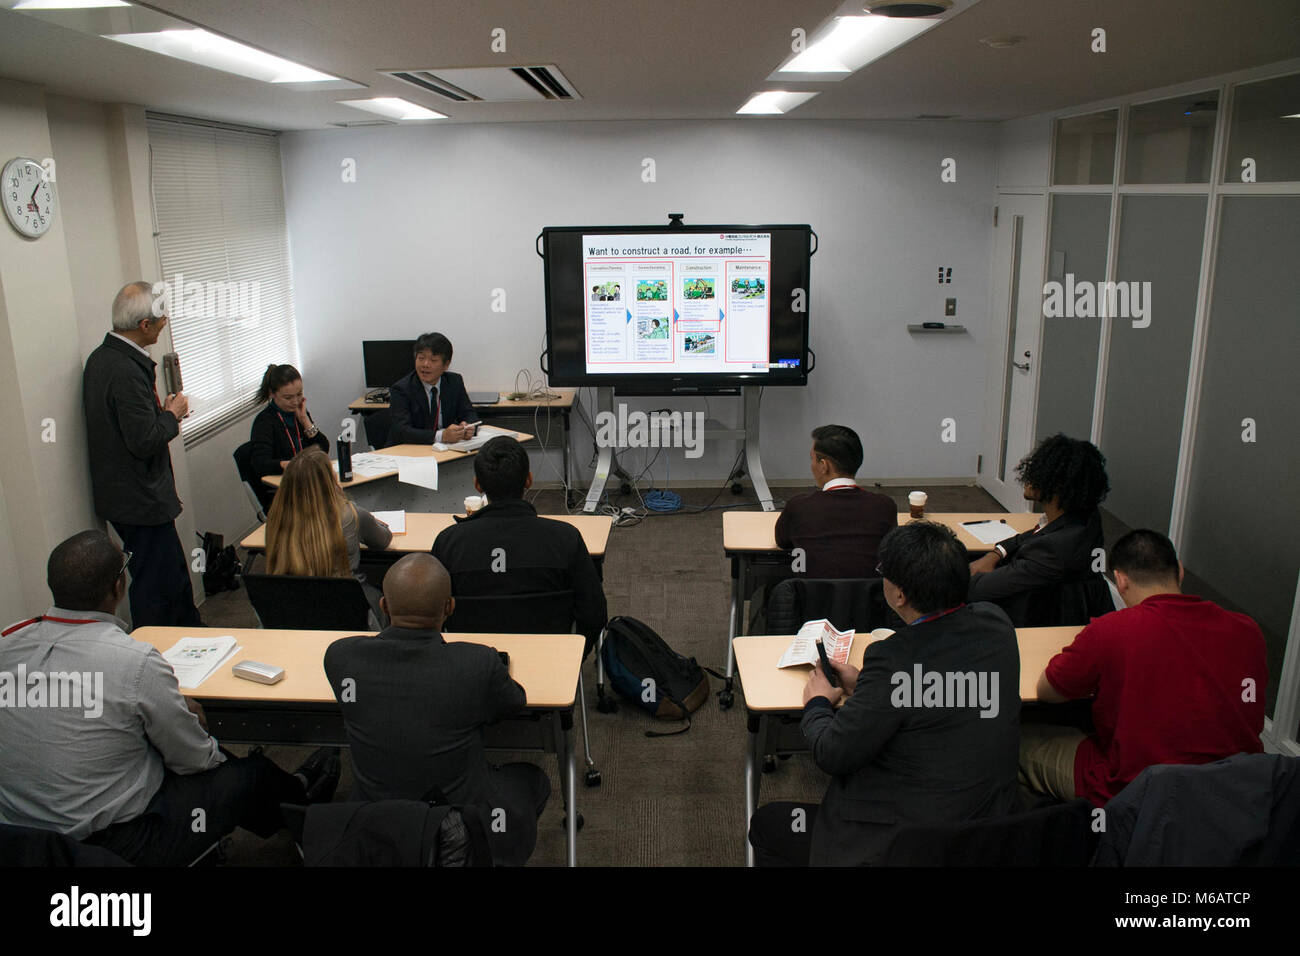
(435, 406)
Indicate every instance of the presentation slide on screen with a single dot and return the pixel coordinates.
(677, 303)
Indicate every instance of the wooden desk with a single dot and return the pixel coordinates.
(756, 530)
(565, 399)
(774, 696)
(302, 710)
(399, 451)
(421, 529)
(749, 539)
(562, 404)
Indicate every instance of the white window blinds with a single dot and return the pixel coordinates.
(219, 207)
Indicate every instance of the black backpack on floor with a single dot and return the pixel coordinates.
(643, 669)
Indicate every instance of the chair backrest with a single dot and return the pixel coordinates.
(857, 603)
(1059, 835)
(1075, 601)
(258, 493)
(378, 425)
(307, 603)
(389, 833)
(545, 612)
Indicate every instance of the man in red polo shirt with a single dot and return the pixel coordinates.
(1175, 678)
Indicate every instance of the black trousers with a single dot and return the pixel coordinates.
(774, 837)
(242, 792)
(524, 789)
(161, 592)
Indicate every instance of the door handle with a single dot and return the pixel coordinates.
(1023, 366)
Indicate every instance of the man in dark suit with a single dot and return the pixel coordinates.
(929, 731)
(838, 527)
(415, 708)
(128, 429)
(506, 548)
(1068, 477)
(430, 404)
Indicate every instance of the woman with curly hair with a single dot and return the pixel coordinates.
(1067, 477)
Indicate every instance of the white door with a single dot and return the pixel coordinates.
(1016, 326)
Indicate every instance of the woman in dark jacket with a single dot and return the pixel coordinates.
(283, 428)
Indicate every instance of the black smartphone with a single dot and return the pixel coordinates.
(829, 671)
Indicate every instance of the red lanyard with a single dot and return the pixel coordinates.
(937, 614)
(57, 620)
(296, 448)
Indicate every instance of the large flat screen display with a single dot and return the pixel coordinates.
(676, 308)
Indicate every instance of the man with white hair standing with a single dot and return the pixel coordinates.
(128, 430)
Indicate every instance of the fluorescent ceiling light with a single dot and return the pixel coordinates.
(853, 42)
(774, 102)
(394, 107)
(1292, 116)
(68, 4)
(217, 52)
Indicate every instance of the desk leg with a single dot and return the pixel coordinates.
(753, 778)
(726, 696)
(604, 454)
(564, 758)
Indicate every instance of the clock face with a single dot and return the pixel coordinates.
(28, 197)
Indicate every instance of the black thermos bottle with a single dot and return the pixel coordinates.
(345, 460)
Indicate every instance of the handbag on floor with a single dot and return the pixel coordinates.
(643, 669)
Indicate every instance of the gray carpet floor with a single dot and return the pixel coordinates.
(672, 801)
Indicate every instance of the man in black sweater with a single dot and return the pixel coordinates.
(128, 429)
(930, 727)
(415, 708)
(840, 526)
(506, 548)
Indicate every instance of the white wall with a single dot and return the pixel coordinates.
(1024, 148)
(440, 216)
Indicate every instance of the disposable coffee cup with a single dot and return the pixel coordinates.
(472, 504)
(917, 500)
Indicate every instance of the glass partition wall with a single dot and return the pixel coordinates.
(1174, 230)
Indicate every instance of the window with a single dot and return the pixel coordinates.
(218, 201)
(1264, 141)
(1085, 149)
(1171, 141)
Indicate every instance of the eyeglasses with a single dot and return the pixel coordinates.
(880, 571)
(126, 559)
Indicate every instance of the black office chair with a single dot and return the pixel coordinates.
(388, 833)
(378, 425)
(294, 602)
(1057, 835)
(548, 612)
(1076, 601)
(259, 494)
(857, 603)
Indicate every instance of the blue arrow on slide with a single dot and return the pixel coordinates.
(676, 316)
(721, 315)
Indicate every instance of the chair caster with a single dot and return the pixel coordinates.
(737, 487)
(625, 489)
(726, 699)
(564, 821)
(593, 778)
(606, 705)
(769, 763)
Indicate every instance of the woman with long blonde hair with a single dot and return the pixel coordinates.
(313, 529)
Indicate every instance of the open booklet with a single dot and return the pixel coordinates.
(990, 532)
(482, 435)
(803, 649)
(194, 659)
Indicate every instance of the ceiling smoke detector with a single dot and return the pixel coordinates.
(906, 9)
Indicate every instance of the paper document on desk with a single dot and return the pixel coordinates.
(990, 532)
(418, 471)
(194, 659)
(803, 649)
(367, 464)
(483, 435)
(396, 520)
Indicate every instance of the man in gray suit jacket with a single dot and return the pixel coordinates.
(930, 727)
(415, 708)
(128, 430)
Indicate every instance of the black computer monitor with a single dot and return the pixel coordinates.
(386, 360)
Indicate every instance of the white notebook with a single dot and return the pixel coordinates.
(194, 659)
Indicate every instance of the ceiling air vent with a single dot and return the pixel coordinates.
(499, 84)
(902, 8)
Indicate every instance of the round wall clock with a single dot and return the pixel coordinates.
(28, 197)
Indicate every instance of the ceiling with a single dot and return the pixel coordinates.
(670, 59)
